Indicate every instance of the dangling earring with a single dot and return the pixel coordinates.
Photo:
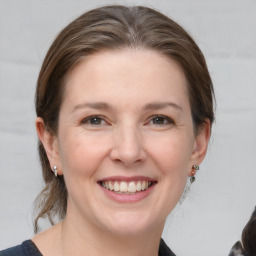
(55, 171)
(193, 173)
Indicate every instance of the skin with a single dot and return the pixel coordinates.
(144, 128)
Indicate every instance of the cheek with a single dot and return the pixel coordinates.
(171, 157)
(81, 154)
(172, 153)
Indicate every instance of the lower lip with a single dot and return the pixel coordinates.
(125, 198)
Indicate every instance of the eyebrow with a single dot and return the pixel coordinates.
(94, 105)
(161, 105)
(149, 106)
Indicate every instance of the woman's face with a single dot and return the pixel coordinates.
(125, 140)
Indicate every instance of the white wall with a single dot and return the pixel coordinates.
(224, 194)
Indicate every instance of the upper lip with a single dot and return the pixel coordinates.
(128, 179)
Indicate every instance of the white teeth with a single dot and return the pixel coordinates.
(124, 187)
(143, 185)
(132, 187)
(116, 186)
(110, 185)
(139, 186)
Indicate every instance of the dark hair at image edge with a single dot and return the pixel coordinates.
(112, 28)
(249, 236)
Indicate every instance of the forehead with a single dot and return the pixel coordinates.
(131, 75)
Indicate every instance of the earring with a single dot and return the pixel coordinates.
(55, 171)
(193, 173)
(195, 167)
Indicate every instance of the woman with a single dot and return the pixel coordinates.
(124, 106)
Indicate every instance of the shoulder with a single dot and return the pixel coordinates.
(164, 250)
(27, 248)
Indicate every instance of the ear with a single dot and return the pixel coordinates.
(201, 143)
(50, 144)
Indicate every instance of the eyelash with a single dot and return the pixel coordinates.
(167, 120)
(90, 118)
(164, 119)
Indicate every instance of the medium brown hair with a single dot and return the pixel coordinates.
(112, 28)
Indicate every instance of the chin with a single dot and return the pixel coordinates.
(133, 223)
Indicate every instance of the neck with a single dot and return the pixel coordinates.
(79, 237)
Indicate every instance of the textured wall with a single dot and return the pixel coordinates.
(222, 198)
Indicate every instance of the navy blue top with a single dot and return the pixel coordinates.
(28, 248)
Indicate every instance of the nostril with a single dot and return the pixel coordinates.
(127, 147)
(127, 156)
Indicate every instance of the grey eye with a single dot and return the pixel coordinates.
(95, 121)
(159, 120)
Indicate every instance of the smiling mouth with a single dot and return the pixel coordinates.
(128, 188)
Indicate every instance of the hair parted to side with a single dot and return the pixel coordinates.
(112, 28)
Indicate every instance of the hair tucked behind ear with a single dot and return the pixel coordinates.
(53, 198)
(112, 28)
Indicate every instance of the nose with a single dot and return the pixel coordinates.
(128, 146)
